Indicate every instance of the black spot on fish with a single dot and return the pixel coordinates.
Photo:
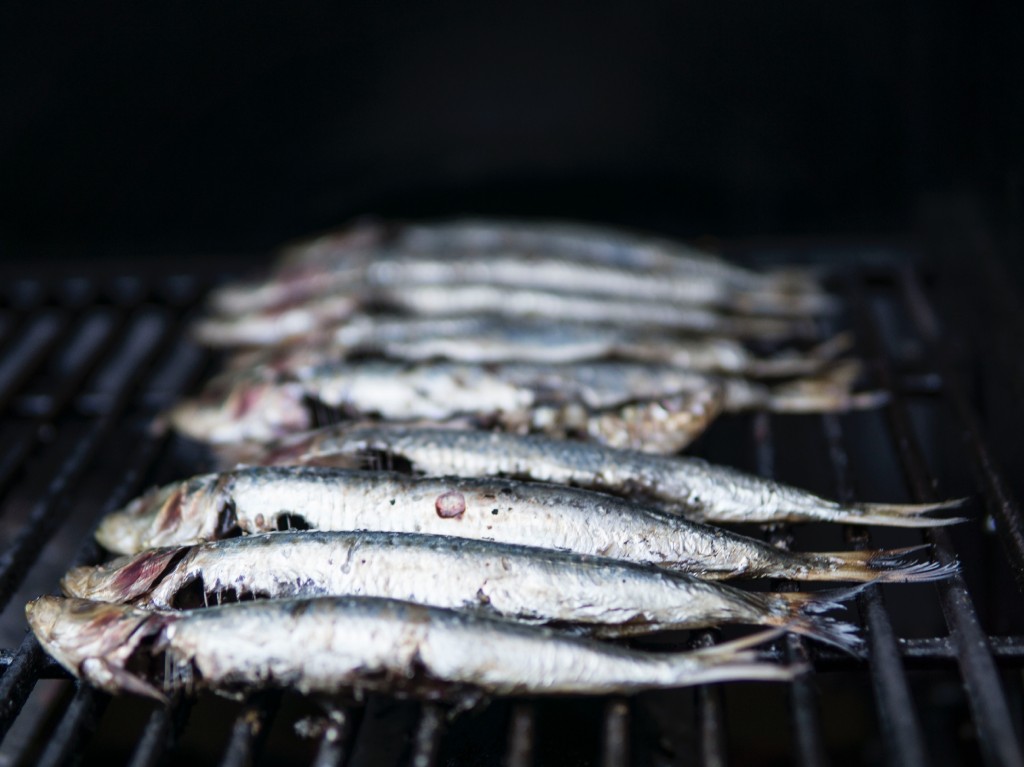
(290, 521)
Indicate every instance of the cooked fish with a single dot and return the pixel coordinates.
(607, 597)
(483, 339)
(681, 485)
(595, 261)
(294, 321)
(258, 500)
(646, 406)
(332, 645)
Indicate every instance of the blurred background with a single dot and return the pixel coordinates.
(150, 128)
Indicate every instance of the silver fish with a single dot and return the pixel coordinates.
(692, 487)
(605, 596)
(294, 321)
(591, 260)
(258, 500)
(656, 408)
(332, 645)
(488, 339)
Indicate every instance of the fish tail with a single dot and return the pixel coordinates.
(734, 661)
(779, 303)
(803, 364)
(804, 613)
(900, 514)
(831, 391)
(888, 565)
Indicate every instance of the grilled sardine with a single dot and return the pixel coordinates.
(259, 500)
(332, 645)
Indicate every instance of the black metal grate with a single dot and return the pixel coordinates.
(85, 365)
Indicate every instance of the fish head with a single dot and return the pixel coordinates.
(195, 510)
(123, 579)
(249, 408)
(96, 641)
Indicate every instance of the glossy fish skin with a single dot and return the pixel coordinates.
(331, 645)
(555, 399)
(605, 596)
(544, 256)
(488, 339)
(259, 500)
(683, 485)
(320, 313)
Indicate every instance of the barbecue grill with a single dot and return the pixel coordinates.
(86, 365)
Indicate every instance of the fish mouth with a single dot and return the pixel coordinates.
(247, 409)
(94, 640)
(124, 579)
(184, 512)
(126, 531)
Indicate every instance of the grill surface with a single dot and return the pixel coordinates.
(85, 365)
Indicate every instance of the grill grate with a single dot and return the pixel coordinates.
(86, 364)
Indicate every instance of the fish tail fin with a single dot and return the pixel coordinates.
(830, 391)
(803, 363)
(783, 303)
(734, 661)
(901, 514)
(803, 613)
(888, 566)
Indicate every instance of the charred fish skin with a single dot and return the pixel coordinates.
(260, 500)
(360, 645)
(688, 486)
(529, 585)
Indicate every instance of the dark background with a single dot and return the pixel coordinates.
(151, 129)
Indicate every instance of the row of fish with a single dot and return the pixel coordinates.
(498, 504)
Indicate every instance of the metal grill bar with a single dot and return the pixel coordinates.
(521, 728)
(803, 700)
(250, 730)
(80, 718)
(999, 499)
(53, 507)
(989, 706)
(335, 744)
(710, 716)
(158, 737)
(75, 727)
(427, 739)
(615, 750)
(897, 717)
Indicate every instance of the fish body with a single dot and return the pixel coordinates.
(604, 596)
(688, 486)
(353, 645)
(258, 500)
(488, 339)
(296, 319)
(555, 257)
(657, 408)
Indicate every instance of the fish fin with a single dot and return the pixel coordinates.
(802, 364)
(741, 644)
(124, 579)
(900, 514)
(114, 678)
(887, 566)
(830, 391)
(782, 303)
(734, 661)
(803, 613)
